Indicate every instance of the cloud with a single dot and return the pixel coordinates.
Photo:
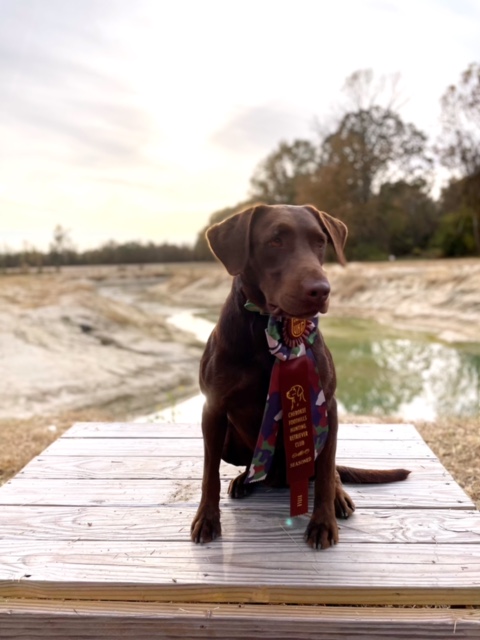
(56, 81)
(259, 128)
(88, 133)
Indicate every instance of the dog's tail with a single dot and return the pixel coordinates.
(371, 476)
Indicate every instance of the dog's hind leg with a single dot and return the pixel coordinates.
(344, 505)
(237, 487)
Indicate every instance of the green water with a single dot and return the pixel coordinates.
(381, 371)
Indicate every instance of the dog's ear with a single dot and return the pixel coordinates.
(230, 240)
(335, 229)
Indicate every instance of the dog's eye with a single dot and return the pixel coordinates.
(275, 241)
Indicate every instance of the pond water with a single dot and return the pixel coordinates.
(403, 373)
(380, 371)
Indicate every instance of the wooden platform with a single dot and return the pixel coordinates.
(94, 543)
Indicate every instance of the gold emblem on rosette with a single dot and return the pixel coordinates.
(296, 328)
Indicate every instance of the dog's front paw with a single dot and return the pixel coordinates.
(206, 526)
(344, 505)
(321, 532)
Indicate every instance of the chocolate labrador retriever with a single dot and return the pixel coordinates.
(276, 255)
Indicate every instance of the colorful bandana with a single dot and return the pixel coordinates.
(285, 345)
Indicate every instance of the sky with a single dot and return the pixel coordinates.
(137, 120)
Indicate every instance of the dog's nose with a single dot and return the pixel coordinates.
(319, 289)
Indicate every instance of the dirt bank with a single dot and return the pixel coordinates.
(82, 339)
(441, 297)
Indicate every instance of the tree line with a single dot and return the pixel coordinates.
(375, 172)
(366, 166)
(63, 252)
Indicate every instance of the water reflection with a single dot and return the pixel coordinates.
(379, 372)
(413, 377)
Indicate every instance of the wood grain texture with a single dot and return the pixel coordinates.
(104, 515)
(425, 474)
(46, 619)
(162, 467)
(242, 522)
(412, 493)
(171, 447)
(401, 431)
(279, 572)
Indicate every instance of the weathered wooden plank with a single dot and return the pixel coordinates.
(46, 619)
(285, 572)
(401, 431)
(191, 467)
(161, 468)
(194, 447)
(412, 493)
(121, 467)
(241, 520)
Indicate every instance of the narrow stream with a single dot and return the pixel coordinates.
(189, 410)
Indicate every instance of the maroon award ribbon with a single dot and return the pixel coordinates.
(297, 431)
(296, 399)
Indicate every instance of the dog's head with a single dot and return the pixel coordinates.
(279, 252)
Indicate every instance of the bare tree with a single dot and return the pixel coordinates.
(459, 145)
(60, 245)
(364, 90)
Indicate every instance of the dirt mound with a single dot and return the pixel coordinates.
(438, 296)
(67, 345)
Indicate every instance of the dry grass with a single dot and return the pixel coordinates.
(22, 440)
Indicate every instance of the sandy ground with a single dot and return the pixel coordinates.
(96, 343)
